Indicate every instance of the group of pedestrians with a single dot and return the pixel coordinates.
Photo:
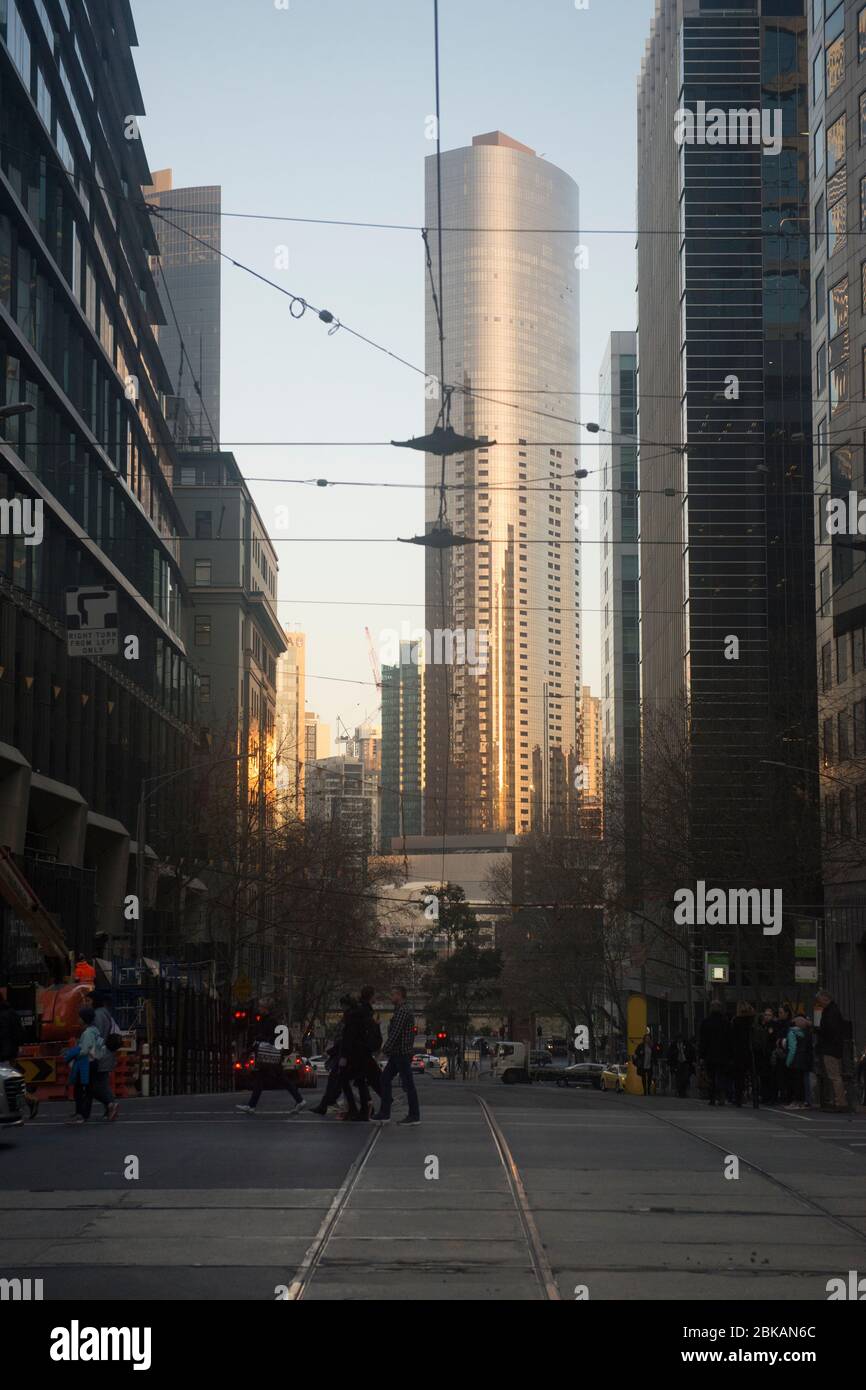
(93, 1059)
(353, 1068)
(781, 1056)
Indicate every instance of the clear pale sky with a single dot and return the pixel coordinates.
(319, 110)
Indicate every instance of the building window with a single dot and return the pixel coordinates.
(821, 368)
(822, 443)
(861, 35)
(827, 668)
(827, 743)
(838, 387)
(817, 77)
(818, 148)
(202, 572)
(835, 63)
(204, 690)
(859, 655)
(859, 727)
(203, 526)
(825, 591)
(838, 307)
(202, 630)
(13, 31)
(842, 741)
(835, 146)
(842, 658)
(837, 228)
(820, 292)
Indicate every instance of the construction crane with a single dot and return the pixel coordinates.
(374, 662)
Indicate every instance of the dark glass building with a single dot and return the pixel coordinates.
(77, 307)
(837, 56)
(726, 538)
(403, 746)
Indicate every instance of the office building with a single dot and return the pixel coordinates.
(620, 632)
(80, 735)
(341, 792)
(501, 729)
(189, 284)
(290, 724)
(591, 798)
(403, 746)
(725, 461)
(317, 738)
(235, 638)
(837, 58)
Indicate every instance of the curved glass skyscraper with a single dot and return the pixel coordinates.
(501, 697)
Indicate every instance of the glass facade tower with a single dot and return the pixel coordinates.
(726, 531)
(501, 736)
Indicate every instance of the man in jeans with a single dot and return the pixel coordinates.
(831, 1036)
(398, 1049)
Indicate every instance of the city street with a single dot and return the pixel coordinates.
(541, 1193)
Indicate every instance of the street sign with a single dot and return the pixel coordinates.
(37, 1070)
(91, 622)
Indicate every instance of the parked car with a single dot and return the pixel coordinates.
(613, 1077)
(582, 1074)
(419, 1062)
(11, 1096)
(320, 1064)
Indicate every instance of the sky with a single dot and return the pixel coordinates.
(319, 109)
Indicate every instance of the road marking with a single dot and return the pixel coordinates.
(312, 1258)
(541, 1264)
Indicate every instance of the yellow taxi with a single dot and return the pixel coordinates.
(613, 1076)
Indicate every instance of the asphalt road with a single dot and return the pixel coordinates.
(502, 1192)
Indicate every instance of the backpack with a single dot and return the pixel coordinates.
(802, 1059)
(113, 1042)
(372, 1035)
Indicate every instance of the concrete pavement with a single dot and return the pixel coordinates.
(628, 1195)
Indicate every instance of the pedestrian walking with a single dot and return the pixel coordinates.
(334, 1086)
(356, 1056)
(743, 1051)
(269, 1072)
(714, 1049)
(109, 1032)
(681, 1061)
(644, 1060)
(84, 1056)
(398, 1049)
(831, 1038)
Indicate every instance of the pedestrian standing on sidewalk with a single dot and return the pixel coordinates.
(681, 1060)
(831, 1036)
(268, 1070)
(743, 1050)
(798, 1062)
(644, 1061)
(398, 1049)
(714, 1048)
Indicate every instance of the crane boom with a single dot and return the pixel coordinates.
(377, 674)
(16, 891)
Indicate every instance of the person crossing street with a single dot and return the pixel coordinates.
(398, 1049)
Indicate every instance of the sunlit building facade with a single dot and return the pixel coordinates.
(501, 733)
